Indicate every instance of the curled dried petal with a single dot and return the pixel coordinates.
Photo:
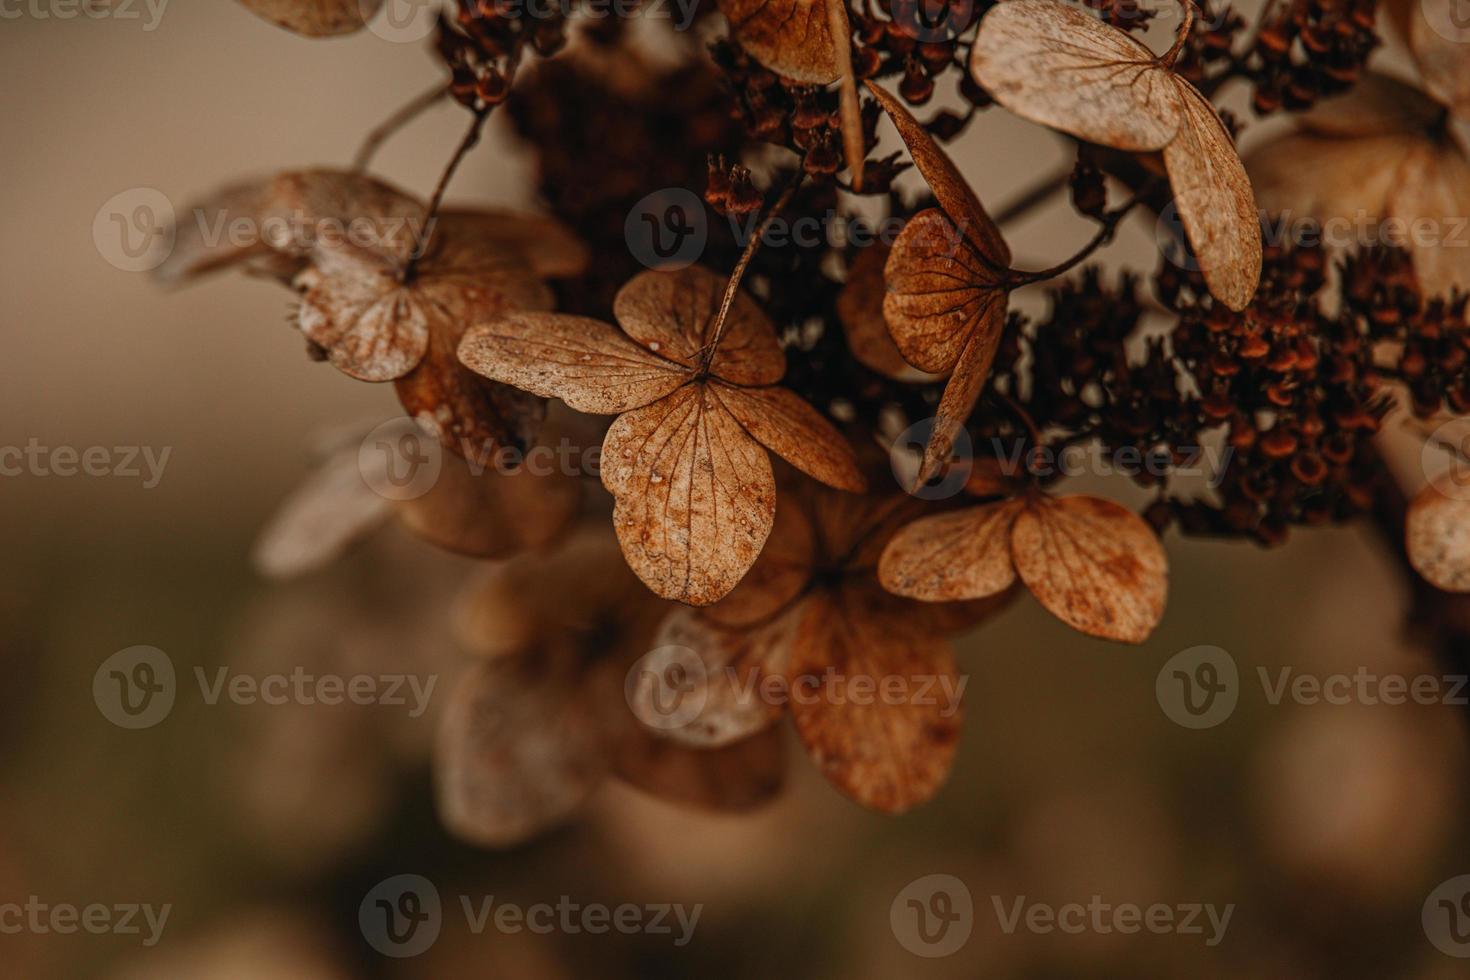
(316, 18)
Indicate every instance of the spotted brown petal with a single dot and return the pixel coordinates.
(673, 314)
(860, 309)
(586, 363)
(334, 508)
(889, 755)
(1437, 536)
(963, 389)
(721, 673)
(1094, 564)
(1057, 65)
(316, 18)
(964, 554)
(950, 188)
(695, 495)
(785, 424)
(1214, 200)
(791, 37)
(782, 573)
(518, 752)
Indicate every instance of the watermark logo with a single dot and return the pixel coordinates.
(135, 688)
(934, 21)
(667, 229)
(398, 460)
(932, 916)
(907, 451)
(402, 21)
(666, 687)
(1450, 19)
(1446, 917)
(1451, 439)
(145, 463)
(1199, 687)
(134, 229)
(1100, 916)
(401, 916)
(40, 918)
(150, 12)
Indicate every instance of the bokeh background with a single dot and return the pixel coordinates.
(1327, 827)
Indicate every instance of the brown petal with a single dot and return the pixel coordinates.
(785, 424)
(736, 777)
(316, 18)
(320, 519)
(673, 315)
(549, 247)
(518, 753)
(1215, 202)
(1437, 536)
(369, 323)
(1376, 105)
(860, 308)
(887, 756)
(1093, 564)
(1433, 192)
(964, 554)
(197, 251)
(488, 513)
(781, 574)
(1054, 64)
(586, 363)
(695, 495)
(938, 285)
(963, 389)
(1303, 175)
(949, 186)
(727, 686)
(790, 37)
(1441, 58)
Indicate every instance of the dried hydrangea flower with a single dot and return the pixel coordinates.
(1437, 534)
(694, 386)
(1383, 151)
(533, 730)
(1058, 66)
(812, 611)
(1095, 565)
(317, 18)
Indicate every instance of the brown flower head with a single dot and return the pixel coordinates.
(812, 616)
(533, 730)
(694, 385)
(1056, 65)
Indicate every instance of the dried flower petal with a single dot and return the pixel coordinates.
(860, 308)
(320, 519)
(1093, 564)
(1437, 537)
(964, 554)
(736, 777)
(316, 18)
(785, 424)
(790, 37)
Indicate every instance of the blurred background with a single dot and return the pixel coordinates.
(1326, 827)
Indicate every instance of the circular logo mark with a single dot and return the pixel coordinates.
(401, 916)
(1450, 19)
(402, 21)
(1198, 687)
(1449, 440)
(932, 916)
(667, 229)
(907, 451)
(398, 460)
(135, 688)
(666, 687)
(933, 20)
(134, 230)
(1446, 917)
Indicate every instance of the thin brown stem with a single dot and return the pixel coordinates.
(1033, 198)
(471, 137)
(1172, 55)
(1104, 234)
(751, 247)
(390, 126)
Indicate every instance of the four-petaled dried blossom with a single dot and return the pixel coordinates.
(1093, 564)
(536, 727)
(1383, 152)
(1055, 65)
(948, 278)
(697, 408)
(808, 630)
(317, 18)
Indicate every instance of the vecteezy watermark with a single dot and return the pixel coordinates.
(1450, 19)
(150, 12)
(1450, 440)
(402, 916)
(41, 918)
(932, 916)
(1103, 917)
(667, 229)
(401, 21)
(1356, 230)
(668, 687)
(1446, 917)
(1200, 687)
(137, 688)
(119, 462)
(134, 229)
